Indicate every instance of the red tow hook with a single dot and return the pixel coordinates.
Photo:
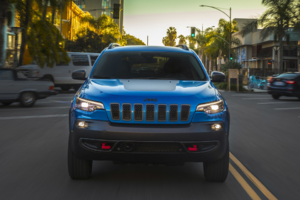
(105, 146)
(194, 148)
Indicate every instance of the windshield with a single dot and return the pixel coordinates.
(288, 76)
(148, 65)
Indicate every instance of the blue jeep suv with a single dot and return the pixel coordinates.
(149, 105)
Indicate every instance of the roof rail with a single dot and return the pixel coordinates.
(183, 46)
(113, 45)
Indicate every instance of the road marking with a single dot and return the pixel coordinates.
(296, 108)
(243, 183)
(254, 180)
(34, 116)
(254, 98)
(277, 102)
(245, 95)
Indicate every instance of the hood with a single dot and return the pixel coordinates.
(167, 92)
(164, 91)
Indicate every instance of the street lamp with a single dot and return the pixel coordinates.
(219, 9)
(16, 31)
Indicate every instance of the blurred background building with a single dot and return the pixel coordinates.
(262, 55)
(100, 7)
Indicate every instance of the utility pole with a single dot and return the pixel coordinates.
(229, 33)
(147, 40)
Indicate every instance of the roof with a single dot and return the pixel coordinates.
(149, 48)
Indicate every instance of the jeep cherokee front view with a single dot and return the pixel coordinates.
(151, 105)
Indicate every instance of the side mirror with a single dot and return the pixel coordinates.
(218, 77)
(79, 75)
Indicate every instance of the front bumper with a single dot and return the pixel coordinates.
(151, 143)
(44, 94)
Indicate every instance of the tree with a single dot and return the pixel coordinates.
(166, 41)
(280, 16)
(169, 40)
(182, 39)
(131, 40)
(172, 35)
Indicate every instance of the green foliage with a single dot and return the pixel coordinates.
(230, 65)
(182, 39)
(169, 40)
(44, 41)
(131, 40)
(89, 42)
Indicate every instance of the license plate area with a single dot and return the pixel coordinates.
(279, 83)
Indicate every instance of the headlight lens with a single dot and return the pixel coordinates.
(210, 108)
(88, 105)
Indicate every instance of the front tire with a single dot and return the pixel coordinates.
(276, 96)
(27, 99)
(217, 171)
(78, 168)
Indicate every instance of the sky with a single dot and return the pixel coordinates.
(152, 18)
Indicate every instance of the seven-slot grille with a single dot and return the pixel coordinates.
(137, 112)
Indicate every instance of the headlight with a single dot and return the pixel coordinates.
(213, 107)
(88, 105)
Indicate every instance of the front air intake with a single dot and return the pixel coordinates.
(185, 112)
(126, 112)
(115, 111)
(150, 112)
(173, 113)
(138, 112)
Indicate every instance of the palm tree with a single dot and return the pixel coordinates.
(166, 41)
(280, 16)
(182, 39)
(172, 35)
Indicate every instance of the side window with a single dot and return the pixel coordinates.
(93, 59)
(80, 60)
(6, 75)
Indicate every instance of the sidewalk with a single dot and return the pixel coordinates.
(255, 90)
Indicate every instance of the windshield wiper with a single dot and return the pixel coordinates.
(101, 77)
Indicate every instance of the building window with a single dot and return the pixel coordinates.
(10, 41)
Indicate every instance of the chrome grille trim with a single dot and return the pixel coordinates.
(138, 112)
(162, 112)
(185, 112)
(115, 111)
(173, 113)
(150, 112)
(126, 111)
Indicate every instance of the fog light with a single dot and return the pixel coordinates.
(216, 127)
(82, 124)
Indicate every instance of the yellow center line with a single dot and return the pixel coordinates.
(255, 181)
(243, 183)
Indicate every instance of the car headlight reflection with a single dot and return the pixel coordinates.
(87, 105)
(210, 108)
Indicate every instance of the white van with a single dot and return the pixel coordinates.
(61, 74)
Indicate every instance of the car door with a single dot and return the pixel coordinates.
(61, 72)
(80, 61)
(8, 87)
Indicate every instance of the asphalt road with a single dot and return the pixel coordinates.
(264, 142)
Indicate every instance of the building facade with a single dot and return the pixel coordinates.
(100, 7)
(264, 54)
(10, 49)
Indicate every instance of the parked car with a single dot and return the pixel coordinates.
(286, 84)
(60, 74)
(15, 87)
(171, 115)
